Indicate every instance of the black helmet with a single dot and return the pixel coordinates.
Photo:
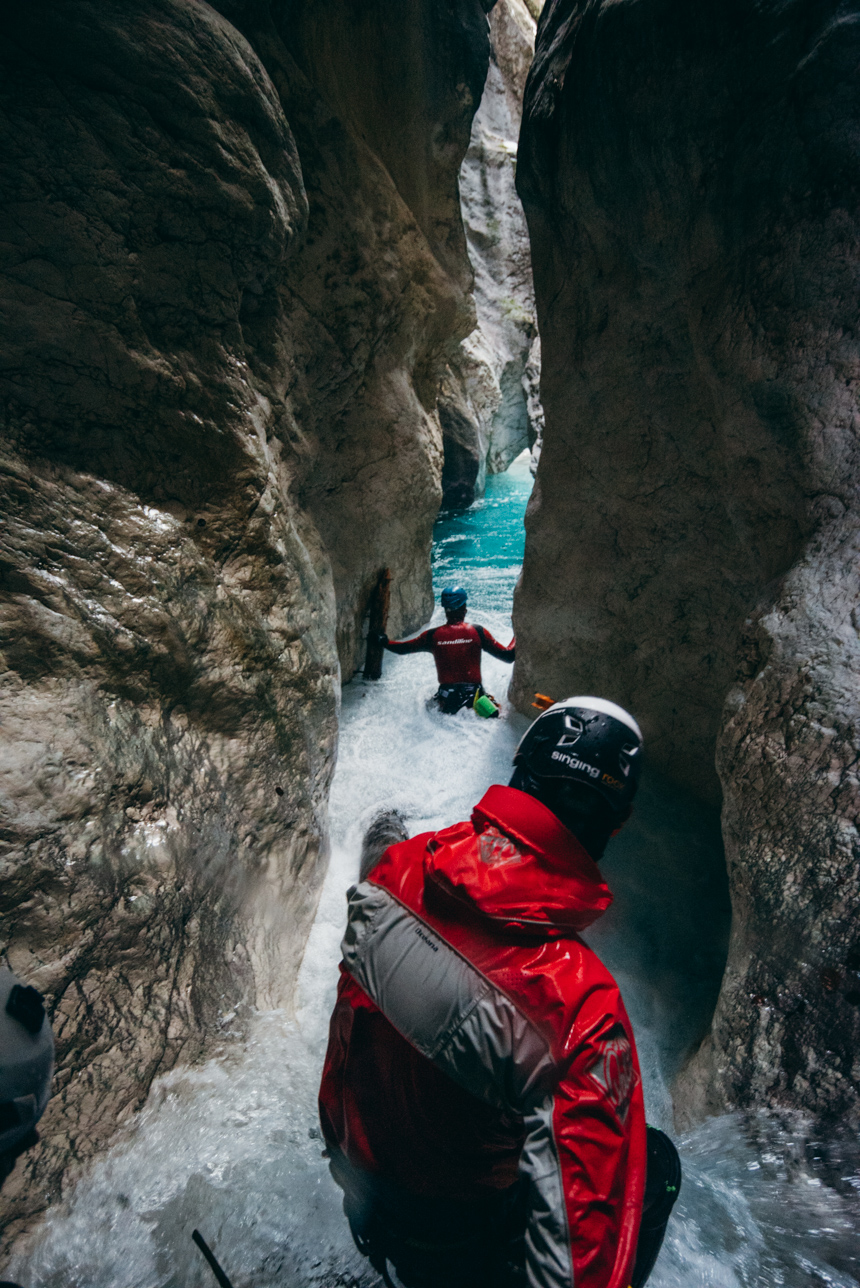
(588, 740)
(453, 598)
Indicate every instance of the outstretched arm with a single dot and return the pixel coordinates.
(421, 644)
(504, 652)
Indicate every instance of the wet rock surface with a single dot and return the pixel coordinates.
(787, 1024)
(690, 183)
(229, 288)
(380, 295)
(490, 404)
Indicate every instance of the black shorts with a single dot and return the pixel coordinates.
(432, 1242)
(451, 698)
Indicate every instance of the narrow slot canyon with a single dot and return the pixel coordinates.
(553, 301)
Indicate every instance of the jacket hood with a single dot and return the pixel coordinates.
(515, 863)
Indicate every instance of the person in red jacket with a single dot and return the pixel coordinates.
(481, 1099)
(456, 649)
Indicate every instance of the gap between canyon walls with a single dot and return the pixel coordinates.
(691, 185)
(490, 402)
(233, 272)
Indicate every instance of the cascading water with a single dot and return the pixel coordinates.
(233, 1148)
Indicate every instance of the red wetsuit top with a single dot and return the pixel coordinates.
(456, 649)
(476, 1036)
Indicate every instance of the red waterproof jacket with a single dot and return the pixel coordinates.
(476, 1035)
(456, 649)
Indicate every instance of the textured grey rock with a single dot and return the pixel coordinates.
(531, 384)
(690, 180)
(229, 288)
(787, 1024)
(489, 407)
(379, 295)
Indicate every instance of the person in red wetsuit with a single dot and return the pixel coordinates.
(481, 1099)
(456, 649)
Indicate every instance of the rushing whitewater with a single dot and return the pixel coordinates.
(233, 1148)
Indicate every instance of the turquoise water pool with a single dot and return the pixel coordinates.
(482, 548)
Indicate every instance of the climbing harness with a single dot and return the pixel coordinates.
(451, 698)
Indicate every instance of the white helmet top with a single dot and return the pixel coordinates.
(599, 704)
(26, 1059)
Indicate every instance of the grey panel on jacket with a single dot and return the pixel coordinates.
(457, 1018)
(423, 987)
(442, 1004)
(548, 1263)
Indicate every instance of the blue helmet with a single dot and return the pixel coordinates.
(453, 597)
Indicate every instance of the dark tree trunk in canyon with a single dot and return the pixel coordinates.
(377, 622)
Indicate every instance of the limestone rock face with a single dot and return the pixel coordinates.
(690, 180)
(787, 1024)
(230, 286)
(381, 110)
(490, 404)
(531, 384)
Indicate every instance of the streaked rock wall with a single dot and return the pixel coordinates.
(490, 405)
(691, 185)
(229, 290)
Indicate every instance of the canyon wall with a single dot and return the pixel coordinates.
(490, 404)
(233, 271)
(690, 178)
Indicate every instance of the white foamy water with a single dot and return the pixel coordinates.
(233, 1148)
